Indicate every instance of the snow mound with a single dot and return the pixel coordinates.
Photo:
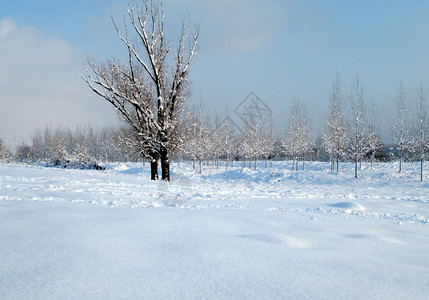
(120, 167)
(348, 205)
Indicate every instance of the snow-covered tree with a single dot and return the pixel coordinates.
(108, 145)
(81, 147)
(335, 136)
(131, 147)
(298, 136)
(38, 146)
(198, 141)
(148, 92)
(319, 148)
(215, 140)
(205, 141)
(400, 127)
(48, 142)
(373, 137)
(58, 144)
(252, 138)
(229, 143)
(267, 139)
(52, 146)
(279, 149)
(358, 134)
(23, 153)
(4, 152)
(422, 126)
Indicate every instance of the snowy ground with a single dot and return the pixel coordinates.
(236, 234)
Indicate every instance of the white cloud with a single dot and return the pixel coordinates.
(6, 26)
(40, 85)
(237, 26)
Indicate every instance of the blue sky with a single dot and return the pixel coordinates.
(278, 49)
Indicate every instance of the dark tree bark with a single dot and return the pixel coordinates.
(165, 164)
(154, 170)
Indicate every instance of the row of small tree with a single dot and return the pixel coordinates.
(346, 136)
(355, 138)
(222, 139)
(351, 133)
(83, 147)
(412, 134)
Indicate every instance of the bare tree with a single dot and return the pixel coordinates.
(422, 126)
(228, 140)
(38, 147)
(400, 127)
(249, 139)
(23, 153)
(268, 139)
(335, 137)
(373, 137)
(198, 142)
(4, 152)
(297, 142)
(216, 142)
(58, 144)
(291, 136)
(411, 149)
(82, 148)
(147, 93)
(318, 149)
(359, 129)
(109, 146)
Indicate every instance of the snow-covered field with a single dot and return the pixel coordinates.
(236, 234)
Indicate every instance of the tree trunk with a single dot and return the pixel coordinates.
(421, 169)
(356, 167)
(338, 163)
(165, 164)
(400, 163)
(154, 170)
